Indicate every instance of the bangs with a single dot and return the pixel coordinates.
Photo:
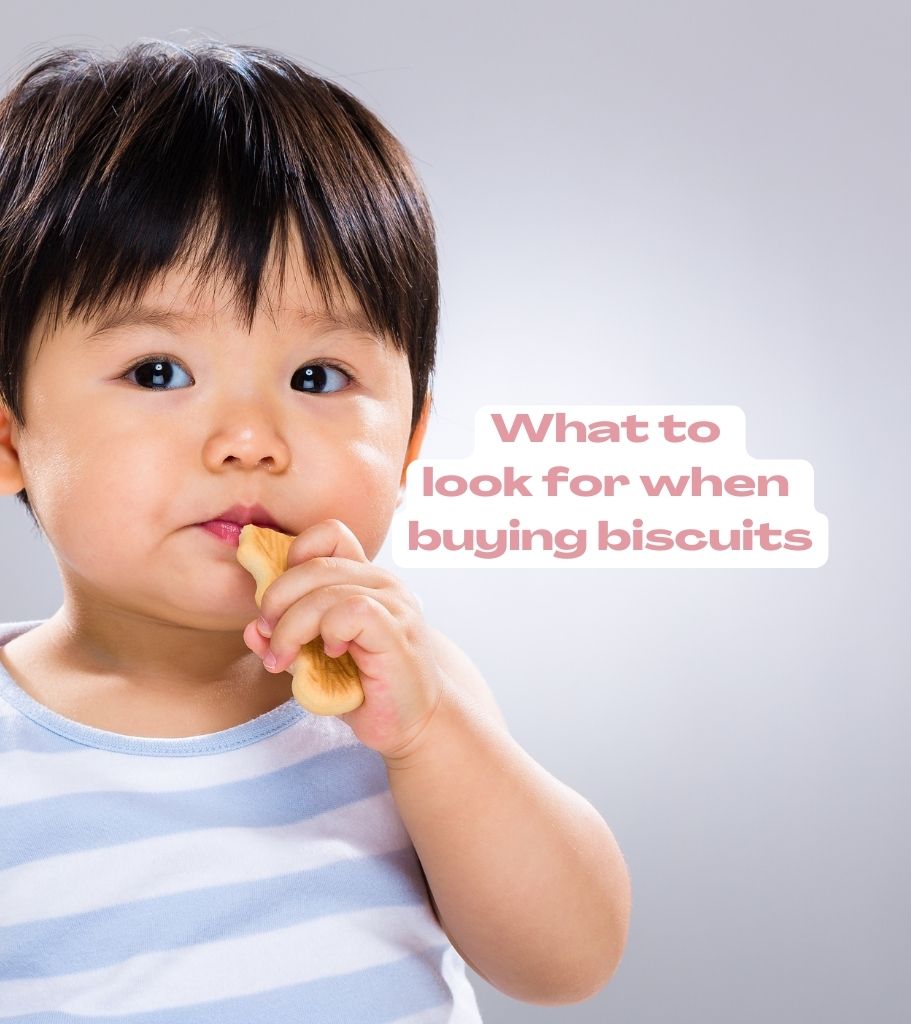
(113, 280)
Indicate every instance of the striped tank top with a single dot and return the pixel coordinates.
(258, 874)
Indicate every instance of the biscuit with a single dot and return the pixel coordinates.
(322, 685)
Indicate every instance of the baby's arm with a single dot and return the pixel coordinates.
(526, 877)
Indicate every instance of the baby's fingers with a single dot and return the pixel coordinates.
(326, 539)
(343, 616)
(255, 640)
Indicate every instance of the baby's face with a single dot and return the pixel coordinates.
(136, 435)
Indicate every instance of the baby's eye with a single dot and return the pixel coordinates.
(154, 373)
(313, 376)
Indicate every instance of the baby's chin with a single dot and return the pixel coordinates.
(207, 612)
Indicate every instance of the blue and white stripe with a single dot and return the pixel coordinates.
(261, 873)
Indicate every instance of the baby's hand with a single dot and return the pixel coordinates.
(331, 589)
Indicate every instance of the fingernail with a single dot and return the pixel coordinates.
(270, 661)
(264, 627)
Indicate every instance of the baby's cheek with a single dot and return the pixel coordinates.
(368, 504)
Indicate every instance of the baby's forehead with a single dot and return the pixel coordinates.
(176, 301)
(198, 295)
(192, 315)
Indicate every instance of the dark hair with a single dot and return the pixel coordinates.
(113, 170)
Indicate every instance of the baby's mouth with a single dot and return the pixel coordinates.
(229, 532)
(228, 523)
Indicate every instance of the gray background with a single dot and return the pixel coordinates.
(663, 203)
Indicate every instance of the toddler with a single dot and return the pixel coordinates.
(218, 306)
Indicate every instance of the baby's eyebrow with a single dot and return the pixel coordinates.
(182, 320)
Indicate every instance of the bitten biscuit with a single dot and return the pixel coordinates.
(323, 685)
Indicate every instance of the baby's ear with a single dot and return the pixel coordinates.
(417, 438)
(414, 446)
(11, 481)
